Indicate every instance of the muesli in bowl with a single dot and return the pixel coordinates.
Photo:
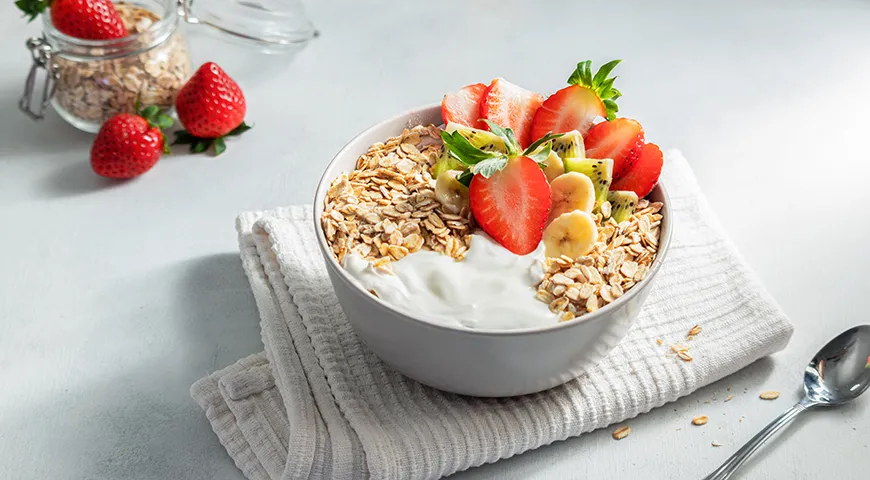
(538, 218)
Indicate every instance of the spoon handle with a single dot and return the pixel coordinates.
(732, 464)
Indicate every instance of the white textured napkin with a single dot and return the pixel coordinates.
(318, 404)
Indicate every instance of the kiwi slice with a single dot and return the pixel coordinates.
(622, 203)
(569, 145)
(599, 170)
(481, 139)
(445, 162)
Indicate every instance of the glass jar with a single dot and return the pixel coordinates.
(89, 81)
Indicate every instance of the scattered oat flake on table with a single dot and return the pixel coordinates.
(769, 395)
(701, 420)
(728, 398)
(659, 341)
(684, 355)
(716, 444)
(695, 330)
(621, 432)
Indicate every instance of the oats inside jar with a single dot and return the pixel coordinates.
(153, 69)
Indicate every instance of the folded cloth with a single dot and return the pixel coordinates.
(319, 404)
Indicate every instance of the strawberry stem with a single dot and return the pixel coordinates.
(600, 84)
(199, 145)
(157, 119)
(32, 8)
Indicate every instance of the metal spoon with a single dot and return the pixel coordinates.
(840, 372)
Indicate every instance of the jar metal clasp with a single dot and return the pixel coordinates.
(40, 50)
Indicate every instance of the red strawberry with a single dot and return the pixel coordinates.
(211, 106)
(511, 107)
(129, 145)
(512, 205)
(463, 106)
(85, 19)
(644, 175)
(576, 106)
(571, 108)
(620, 139)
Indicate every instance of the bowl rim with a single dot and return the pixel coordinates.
(406, 315)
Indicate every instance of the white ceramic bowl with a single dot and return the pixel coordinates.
(487, 363)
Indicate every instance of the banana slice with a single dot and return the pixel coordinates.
(554, 166)
(571, 191)
(572, 234)
(452, 194)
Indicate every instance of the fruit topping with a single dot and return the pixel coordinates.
(553, 166)
(572, 234)
(644, 175)
(508, 192)
(512, 107)
(622, 204)
(482, 139)
(452, 194)
(463, 106)
(620, 139)
(570, 145)
(512, 204)
(576, 106)
(210, 106)
(85, 19)
(571, 191)
(600, 171)
(129, 145)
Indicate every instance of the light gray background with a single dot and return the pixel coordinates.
(114, 298)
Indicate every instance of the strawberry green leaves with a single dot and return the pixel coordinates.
(600, 83)
(32, 8)
(199, 145)
(156, 118)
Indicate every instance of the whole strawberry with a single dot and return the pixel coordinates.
(85, 19)
(211, 106)
(129, 145)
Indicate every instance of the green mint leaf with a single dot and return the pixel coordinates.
(220, 145)
(604, 71)
(537, 143)
(506, 135)
(489, 166)
(461, 149)
(465, 177)
(541, 154)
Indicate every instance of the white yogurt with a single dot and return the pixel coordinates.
(491, 288)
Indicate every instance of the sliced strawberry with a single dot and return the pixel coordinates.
(511, 107)
(512, 205)
(644, 175)
(463, 106)
(571, 108)
(620, 139)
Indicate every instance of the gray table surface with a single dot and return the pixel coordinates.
(114, 298)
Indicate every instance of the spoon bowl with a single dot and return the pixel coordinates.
(840, 372)
(837, 374)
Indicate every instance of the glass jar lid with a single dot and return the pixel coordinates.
(271, 26)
